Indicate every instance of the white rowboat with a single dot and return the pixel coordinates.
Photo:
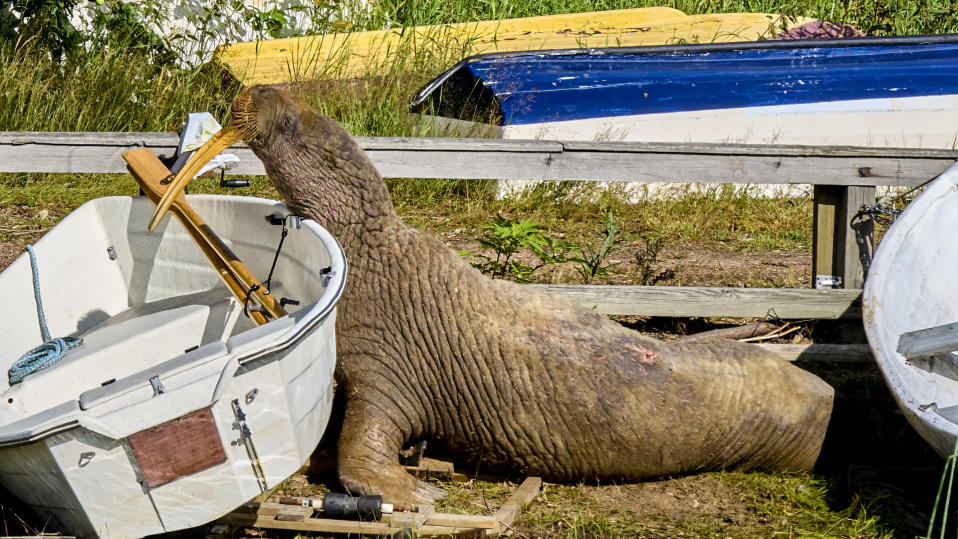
(910, 306)
(176, 408)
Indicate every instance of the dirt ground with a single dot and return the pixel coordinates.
(873, 461)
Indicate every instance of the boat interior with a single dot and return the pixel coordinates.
(146, 304)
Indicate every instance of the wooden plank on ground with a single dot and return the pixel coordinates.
(785, 303)
(424, 522)
(249, 518)
(526, 492)
(838, 353)
(929, 341)
(525, 159)
(412, 520)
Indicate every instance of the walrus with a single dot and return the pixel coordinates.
(498, 374)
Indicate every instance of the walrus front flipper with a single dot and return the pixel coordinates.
(368, 461)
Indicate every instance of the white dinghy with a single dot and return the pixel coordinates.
(176, 407)
(911, 311)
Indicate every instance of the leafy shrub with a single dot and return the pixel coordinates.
(506, 238)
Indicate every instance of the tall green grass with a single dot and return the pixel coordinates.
(896, 17)
(113, 88)
(106, 90)
(117, 88)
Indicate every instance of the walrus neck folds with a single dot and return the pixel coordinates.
(313, 162)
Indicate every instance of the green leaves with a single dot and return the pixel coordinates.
(266, 21)
(591, 263)
(510, 239)
(507, 238)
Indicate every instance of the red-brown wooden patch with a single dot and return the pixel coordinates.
(187, 444)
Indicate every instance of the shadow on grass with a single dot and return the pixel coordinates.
(872, 455)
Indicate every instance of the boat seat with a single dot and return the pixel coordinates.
(929, 342)
(932, 349)
(99, 395)
(219, 325)
(137, 340)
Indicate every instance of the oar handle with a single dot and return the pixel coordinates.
(149, 172)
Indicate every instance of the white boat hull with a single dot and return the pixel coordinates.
(907, 122)
(911, 286)
(65, 432)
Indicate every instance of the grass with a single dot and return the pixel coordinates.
(722, 504)
(894, 17)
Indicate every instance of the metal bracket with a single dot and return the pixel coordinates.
(294, 221)
(158, 388)
(247, 439)
(325, 275)
(827, 282)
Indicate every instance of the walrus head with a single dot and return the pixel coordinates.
(314, 163)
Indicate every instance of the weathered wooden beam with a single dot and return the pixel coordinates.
(526, 159)
(837, 353)
(929, 341)
(854, 236)
(826, 199)
(841, 240)
(785, 303)
(526, 492)
(329, 525)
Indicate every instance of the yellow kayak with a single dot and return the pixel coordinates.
(356, 54)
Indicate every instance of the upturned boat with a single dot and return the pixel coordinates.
(186, 395)
(346, 54)
(884, 91)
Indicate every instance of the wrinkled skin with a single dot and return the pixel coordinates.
(502, 375)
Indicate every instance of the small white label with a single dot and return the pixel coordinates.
(828, 281)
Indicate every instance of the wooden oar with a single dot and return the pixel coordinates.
(150, 173)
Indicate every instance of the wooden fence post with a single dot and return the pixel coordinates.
(842, 241)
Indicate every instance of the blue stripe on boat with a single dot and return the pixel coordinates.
(570, 85)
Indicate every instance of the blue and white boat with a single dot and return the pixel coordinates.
(873, 91)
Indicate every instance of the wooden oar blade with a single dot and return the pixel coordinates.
(223, 139)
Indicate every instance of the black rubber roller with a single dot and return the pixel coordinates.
(336, 505)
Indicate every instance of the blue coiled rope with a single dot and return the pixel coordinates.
(48, 353)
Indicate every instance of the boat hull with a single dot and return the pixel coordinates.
(886, 92)
(360, 54)
(910, 286)
(136, 433)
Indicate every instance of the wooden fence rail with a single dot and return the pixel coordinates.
(693, 301)
(845, 178)
(526, 159)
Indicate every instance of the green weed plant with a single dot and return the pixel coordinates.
(592, 263)
(506, 238)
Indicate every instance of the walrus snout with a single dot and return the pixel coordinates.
(245, 125)
(261, 112)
